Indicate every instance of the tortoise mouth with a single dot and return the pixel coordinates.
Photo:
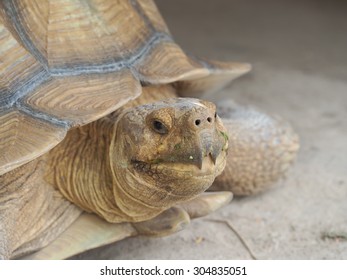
(161, 184)
(157, 168)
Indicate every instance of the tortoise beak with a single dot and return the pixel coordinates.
(202, 159)
(210, 147)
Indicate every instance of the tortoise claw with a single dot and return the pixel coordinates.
(168, 222)
(177, 218)
(206, 203)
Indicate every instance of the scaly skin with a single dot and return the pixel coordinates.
(261, 149)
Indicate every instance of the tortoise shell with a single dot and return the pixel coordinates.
(66, 63)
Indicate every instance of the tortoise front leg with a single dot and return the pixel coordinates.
(261, 149)
(178, 217)
(90, 231)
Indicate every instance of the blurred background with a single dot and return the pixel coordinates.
(298, 50)
(308, 35)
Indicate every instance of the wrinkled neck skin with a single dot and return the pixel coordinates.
(80, 168)
(82, 171)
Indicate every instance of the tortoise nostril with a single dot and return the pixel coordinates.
(197, 122)
(209, 119)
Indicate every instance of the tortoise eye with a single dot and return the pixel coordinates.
(215, 115)
(159, 127)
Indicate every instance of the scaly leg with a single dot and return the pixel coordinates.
(261, 149)
(178, 217)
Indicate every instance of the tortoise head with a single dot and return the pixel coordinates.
(165, 153)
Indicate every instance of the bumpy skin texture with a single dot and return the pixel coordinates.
(133, 165)
(261, 149)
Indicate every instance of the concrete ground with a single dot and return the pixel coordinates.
(299, 53)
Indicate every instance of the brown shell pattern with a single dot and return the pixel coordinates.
(65, 63)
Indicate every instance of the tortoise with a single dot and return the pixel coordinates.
(102, 134)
